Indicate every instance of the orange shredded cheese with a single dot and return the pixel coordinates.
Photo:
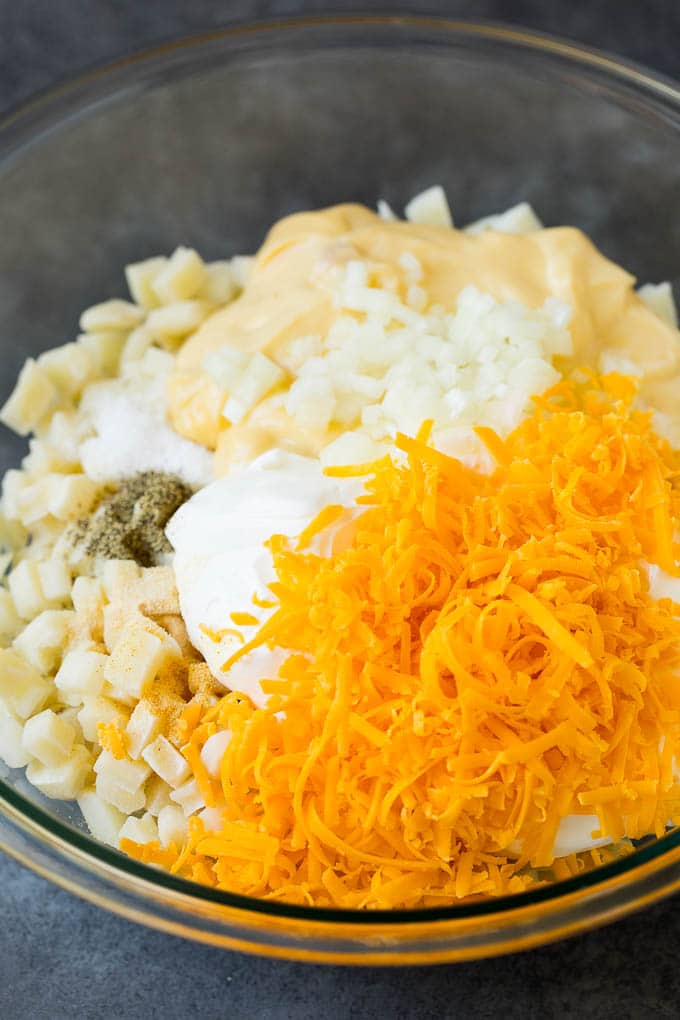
(480, 660)
(112, 739)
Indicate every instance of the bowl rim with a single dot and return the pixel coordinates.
(21, 124)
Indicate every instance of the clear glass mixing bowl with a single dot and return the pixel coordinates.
(206, 142)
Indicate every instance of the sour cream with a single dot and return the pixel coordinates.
(221, 560)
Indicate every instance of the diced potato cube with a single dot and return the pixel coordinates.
(181, 277)
(13, 484)
(12, 750)
(65, 781)
(143, 726)
(137, 656)
(117, 315)
(172, 826)
(105, 349)
(139, 830)
(175, 321)
(116, 576)
(117, 616)
(21, 685)
(241, 267)
(55, 580)
(32, 501)
(137, 344)
(213, 750)
(659, 298)
(87, 595)
(166, 761)
(155, 591)
(129, 775)
(25, 589)
(12, 532)
(42, 640)
(70, 367)
(44, 458)
(103, 820)
(212, 818)
(70, 496)
(157, 795)
(33, 397)
(219, 285)
(258, 379)
(10, 623)
(189, 797)
(430, 208)
(100, 709)
(140, 277)
(64, 434)
(113, 793)
(48, 737)
(80, 676)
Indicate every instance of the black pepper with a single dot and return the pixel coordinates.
(130, 523)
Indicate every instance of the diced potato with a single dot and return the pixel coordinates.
(87, 595)
(64, 434)
(42, 641)
(55, 580)
(219, 284)
(137, 344)
(12, 533)
(172, 826)
(139, 830)
(139, 653)
(181, 277)
(43, 459)
(100, 709)
(212, 818)
(116, 576)
(213, 750)
(65, 781)
(158, 795)
(48, 737)
(140, 278)
(70, 367)
(116, 617)
(143, 727)
(258, 379)
(103, 820)
(173, 322)
(155, 591)
(33, 397)
(659, 298)
(117, 315)
(104, 348)
(70, 496)
(32, 501)
(166, 761)
(430, 208)
(520, 219)
(241, 266)
(22, 686)
(10, 624)
(189, 797)
(12, 750)
(130, 775)
(25, 589)
(13, 484)
(80, 676)
(113, 793)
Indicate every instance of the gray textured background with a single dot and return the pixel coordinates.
(62, 958)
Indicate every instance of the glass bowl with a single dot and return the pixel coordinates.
(206, 142)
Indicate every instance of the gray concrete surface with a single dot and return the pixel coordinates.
(61, 958)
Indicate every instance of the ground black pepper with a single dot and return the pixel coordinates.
(130, 523)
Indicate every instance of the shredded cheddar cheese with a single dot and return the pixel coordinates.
(479, 658)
